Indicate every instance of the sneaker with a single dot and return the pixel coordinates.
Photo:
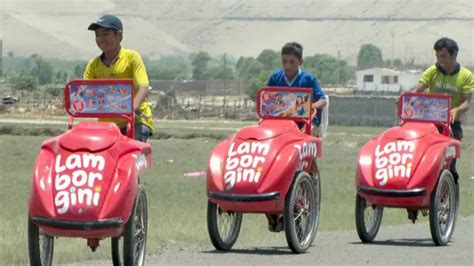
(277, 227)
(412, 215)
(456, 176)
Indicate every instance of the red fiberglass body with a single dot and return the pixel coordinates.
(400, 167)
(85, 181)
(252, 170)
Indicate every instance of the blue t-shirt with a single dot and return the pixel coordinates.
(302, 80)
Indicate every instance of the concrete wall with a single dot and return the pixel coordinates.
(199, 87)
(370, 111)
(363, 110)
(469, 118)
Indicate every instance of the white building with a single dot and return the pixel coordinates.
(386, 80)
(408, 79)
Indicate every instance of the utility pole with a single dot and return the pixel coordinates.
(1, 58)
(224, 80)
(338, 72)
(224, 71)
(393, 58)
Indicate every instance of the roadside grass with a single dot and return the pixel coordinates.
(165, 129)
(177, 204)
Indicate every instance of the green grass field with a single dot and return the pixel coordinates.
(177, 204)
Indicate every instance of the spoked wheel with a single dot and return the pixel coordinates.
(40, 246)
(368, 218)
(301, 216)
(443, 208)
(134, 238)
(223, 227)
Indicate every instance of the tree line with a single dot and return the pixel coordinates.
(29, 74)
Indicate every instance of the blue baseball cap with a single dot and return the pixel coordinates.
(108, 22)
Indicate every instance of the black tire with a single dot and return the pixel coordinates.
(40, 246)
(317, 187)
(223, 227)
(301, 215)
(443, 209)
(368, 219)
(458, 195)
(134, 236)
(116, 255)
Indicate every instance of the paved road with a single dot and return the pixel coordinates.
(394, 245)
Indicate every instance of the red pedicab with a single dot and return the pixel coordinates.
(86, 181)
(269, 168)
(408, 166)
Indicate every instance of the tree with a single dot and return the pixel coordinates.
(248, 67)
(162, 73)
(220, 73)
(396, 63)
(54, 89)
(22, 82)
(269, 59)
(199, 63)
(42, 70)
(369, 56)
(79, 70)
(256, 82)
(25, 66)
(170, 67)
(61, 76)
(328, 69)
(222, 67)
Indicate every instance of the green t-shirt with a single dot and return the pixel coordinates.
(454, 85)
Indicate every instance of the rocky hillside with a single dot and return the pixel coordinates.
(404, 29)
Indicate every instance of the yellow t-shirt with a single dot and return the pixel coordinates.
(127, 65)
(454, 85)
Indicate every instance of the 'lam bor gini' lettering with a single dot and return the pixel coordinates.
(75, 182)
(245, 163)
(394, 159)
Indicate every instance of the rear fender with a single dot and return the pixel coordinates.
(436, 158)
(307, 152)
(281, 173)
(121, 194)
(293, 158)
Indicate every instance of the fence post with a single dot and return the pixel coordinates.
(199, 106)
(223, 105)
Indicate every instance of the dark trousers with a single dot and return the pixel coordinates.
(142, 132)
(457, 134)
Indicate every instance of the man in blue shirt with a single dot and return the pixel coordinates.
(292, 76)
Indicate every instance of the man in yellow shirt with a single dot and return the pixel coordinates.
(116, 62)
(448, 76)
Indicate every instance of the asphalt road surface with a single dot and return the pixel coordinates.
(394, 245)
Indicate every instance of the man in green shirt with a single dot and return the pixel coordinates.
(448, 76)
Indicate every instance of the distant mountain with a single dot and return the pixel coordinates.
(403, 29)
